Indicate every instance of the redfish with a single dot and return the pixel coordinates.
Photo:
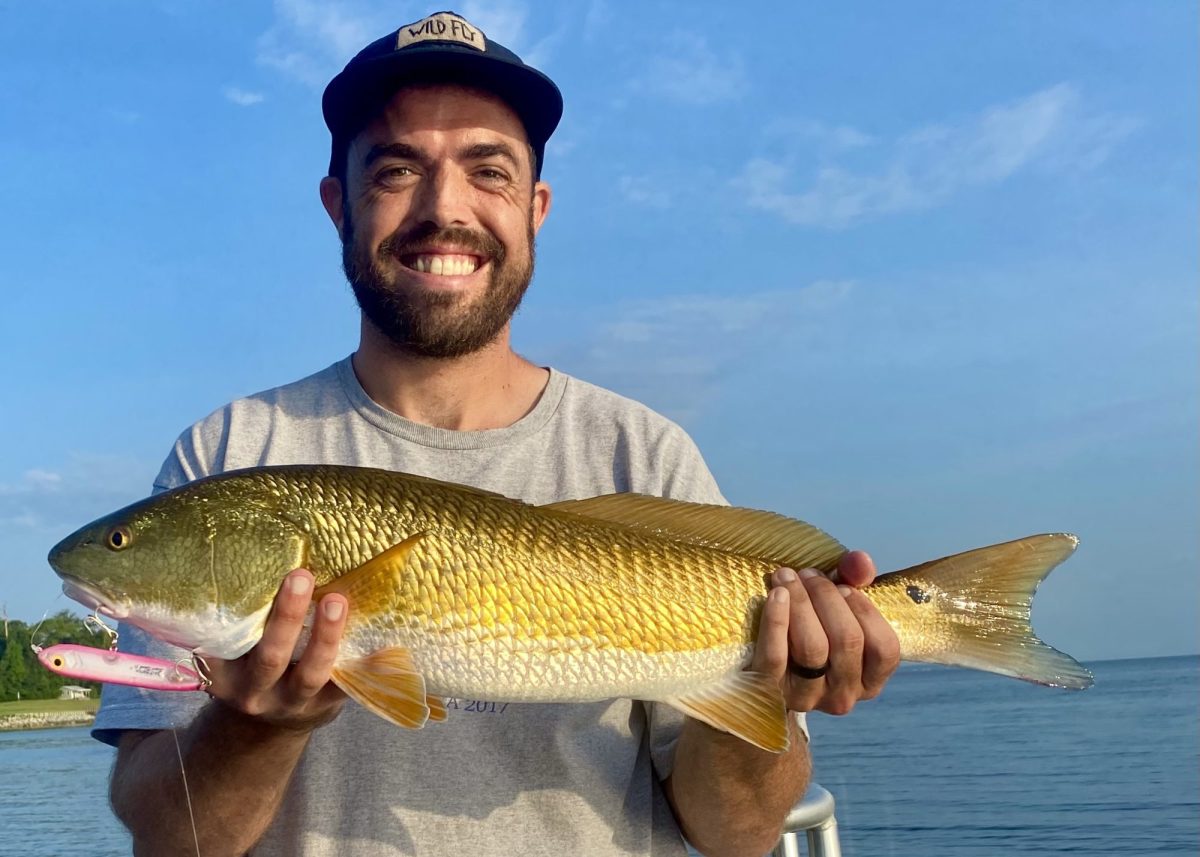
(456, 592)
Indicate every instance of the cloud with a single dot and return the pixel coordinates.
(242, 97)
(311, 40)
(641, 190)
(57, 501)
(1049, 130)
(675, 352)
(827, 137)
(688, 70)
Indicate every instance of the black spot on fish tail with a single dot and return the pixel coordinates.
(917, 594)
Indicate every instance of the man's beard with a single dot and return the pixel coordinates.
(431, 323)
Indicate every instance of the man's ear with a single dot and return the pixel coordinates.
(331, 198)
(540, 206)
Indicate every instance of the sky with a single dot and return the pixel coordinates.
(922, 274)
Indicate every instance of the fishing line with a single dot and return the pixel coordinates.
(186, 791)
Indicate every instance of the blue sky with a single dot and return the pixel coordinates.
(923, 274)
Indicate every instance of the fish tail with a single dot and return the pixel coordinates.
(979, 605)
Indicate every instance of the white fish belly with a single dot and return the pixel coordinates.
(558, 671)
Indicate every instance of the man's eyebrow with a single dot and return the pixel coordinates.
(403, 151)
(479, 151)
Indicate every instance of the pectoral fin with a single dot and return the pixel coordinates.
(372, 586)
(387, 683)
(746, 704)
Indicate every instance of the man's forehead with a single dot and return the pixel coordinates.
(444, 107)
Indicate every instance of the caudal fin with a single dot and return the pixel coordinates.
(973, 610)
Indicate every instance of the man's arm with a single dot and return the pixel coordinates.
(730, 797)
(241, 750)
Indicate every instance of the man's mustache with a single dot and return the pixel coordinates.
(420, 238)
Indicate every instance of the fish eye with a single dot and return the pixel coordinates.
(118, 538)
(57, 661)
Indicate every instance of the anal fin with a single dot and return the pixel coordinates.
(746, 704)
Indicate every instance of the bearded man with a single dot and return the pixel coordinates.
(438, 138)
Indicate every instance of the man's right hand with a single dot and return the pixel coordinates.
(241, 750)
(265, 684)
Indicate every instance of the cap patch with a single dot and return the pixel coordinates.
(442, 27)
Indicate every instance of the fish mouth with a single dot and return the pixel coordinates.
(93, 599)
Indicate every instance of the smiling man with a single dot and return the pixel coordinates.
(438, 137)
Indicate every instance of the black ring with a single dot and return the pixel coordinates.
(808, 672)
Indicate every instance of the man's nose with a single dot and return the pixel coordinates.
(443, 198)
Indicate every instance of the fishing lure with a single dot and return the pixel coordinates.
(113, 667)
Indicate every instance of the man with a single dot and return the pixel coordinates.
(438, 135)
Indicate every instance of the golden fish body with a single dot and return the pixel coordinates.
(458, 592)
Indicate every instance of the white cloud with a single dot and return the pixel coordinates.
(59, 500)
(688, 70)
(311, 40)
(1049, 130)
(597, 20)
(675, 352)
(825, 136)
(242, 97)
(641, 190)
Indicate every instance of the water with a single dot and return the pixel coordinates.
(948, 762)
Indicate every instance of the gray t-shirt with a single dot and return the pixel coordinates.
(574, 779)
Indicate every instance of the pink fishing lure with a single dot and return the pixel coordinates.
(113, 667)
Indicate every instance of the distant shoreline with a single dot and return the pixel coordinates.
(47, 714)
(47, 720)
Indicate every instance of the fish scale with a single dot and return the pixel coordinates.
(459, 592)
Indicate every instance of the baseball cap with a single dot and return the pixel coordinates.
(441, 48)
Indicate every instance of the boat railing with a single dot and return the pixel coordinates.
(813, 819)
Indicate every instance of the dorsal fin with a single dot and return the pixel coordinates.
(746, 532)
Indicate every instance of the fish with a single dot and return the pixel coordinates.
(113, 667)
(458, 592)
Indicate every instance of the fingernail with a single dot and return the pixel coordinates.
(845, 590)
(785, 575)
(333, 610)
(810, 573)
(779, 595)
(298, 584)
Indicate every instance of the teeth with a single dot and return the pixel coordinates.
(445, 266)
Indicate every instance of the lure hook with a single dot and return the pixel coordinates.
(97, 626)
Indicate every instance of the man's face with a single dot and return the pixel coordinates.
(437, 219)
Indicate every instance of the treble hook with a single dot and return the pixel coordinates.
(97, 626)
(201, 669)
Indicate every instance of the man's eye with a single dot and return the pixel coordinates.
(396, 172)
(492, 175)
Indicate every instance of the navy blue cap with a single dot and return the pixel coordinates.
(442, 48)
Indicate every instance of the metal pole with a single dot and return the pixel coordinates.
(814, 817)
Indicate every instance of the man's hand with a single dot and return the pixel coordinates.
(264, 684)
(811, 624)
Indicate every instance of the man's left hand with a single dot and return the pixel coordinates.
(823, 638)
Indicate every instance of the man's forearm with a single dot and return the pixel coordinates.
(731, 798)
(237, 771)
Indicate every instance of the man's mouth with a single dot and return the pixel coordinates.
(442, 264)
